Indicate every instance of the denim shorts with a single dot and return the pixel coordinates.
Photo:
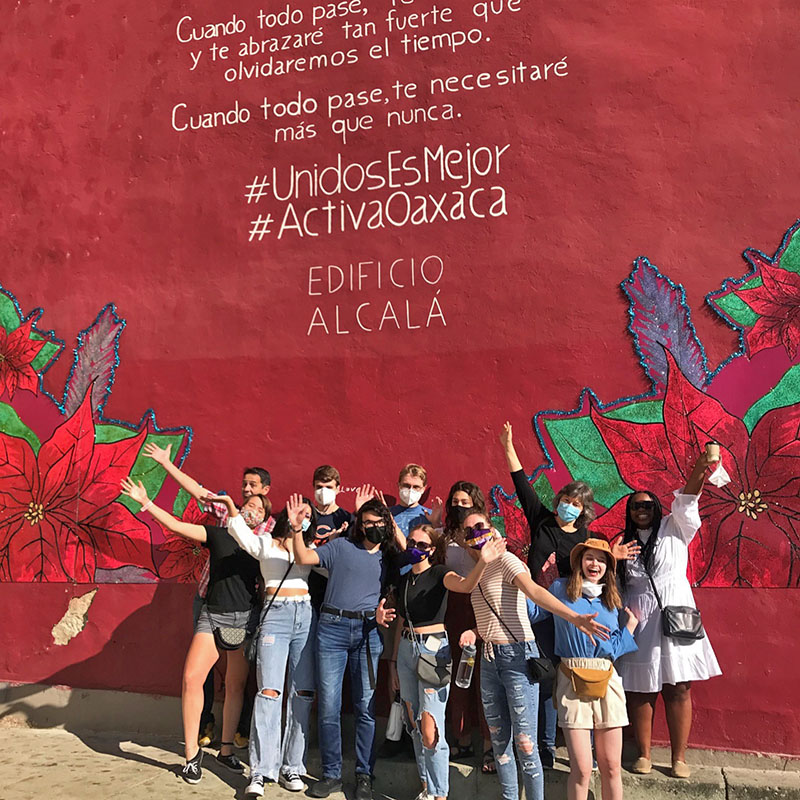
(247, 620)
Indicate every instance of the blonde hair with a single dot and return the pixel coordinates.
(610, 597)
(416, 470)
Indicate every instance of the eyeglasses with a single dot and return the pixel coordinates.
(419, 545)
(643, 505)
(474, 531)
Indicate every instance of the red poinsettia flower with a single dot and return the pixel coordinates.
(17, 351)
(59, 517)
(518, 535)
(751, 527)
(777, 301)
(185, 558)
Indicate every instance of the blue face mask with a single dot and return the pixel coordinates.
(305, 524)
(568, 512)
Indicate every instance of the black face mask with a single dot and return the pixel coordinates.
(460, 513)
(377, 534)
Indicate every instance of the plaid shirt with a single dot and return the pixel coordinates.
(220, 511)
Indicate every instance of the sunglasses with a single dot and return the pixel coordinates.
(643, 505)
(419, 545)
(474, 531)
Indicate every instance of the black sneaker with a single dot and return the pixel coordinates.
(324, 787)
(231, 762)
(363, 787)
(548, 757)
(191, 771)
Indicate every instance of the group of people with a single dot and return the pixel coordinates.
(574, 638)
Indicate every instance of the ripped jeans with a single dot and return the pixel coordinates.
(285, 655)
(511, 706)
(433, 764)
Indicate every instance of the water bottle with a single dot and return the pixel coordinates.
(466, 666)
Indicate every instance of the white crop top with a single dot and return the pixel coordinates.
(274, 560)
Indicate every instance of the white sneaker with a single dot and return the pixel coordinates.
(256, 787)
(423, 795)
(291, 782)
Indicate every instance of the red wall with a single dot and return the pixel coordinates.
(672, 136)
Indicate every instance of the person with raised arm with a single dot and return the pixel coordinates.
(255, 480)
(347, 634)
(231, 602)
(554, 532)
(510, 696)
(663, 664)
(422, 597)
(286, 640)
(590, 699)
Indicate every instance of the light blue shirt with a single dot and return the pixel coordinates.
(408, 517)
(572, 643)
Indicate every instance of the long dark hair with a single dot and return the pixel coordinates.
(374, 506)
(631, 533)
(282, 528)
(451, 520)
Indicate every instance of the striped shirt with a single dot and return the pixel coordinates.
(508, 601)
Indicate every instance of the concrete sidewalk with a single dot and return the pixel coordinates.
(66, 765)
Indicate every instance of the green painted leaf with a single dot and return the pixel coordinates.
(181, 501)
(146, 470)
(46, 354)
(737, 310)
(586, 456)
(544, 489)
(785, 393)
(791, 256)
(9, 318)
(499, 524)
(11, 424)
(643, 412)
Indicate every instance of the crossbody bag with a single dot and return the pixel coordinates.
(678, 622)
(251, 648)
(539, 668)
(437, 672)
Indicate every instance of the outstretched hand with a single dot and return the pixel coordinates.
(294, 509)
(492, 550)
(225, 499)
(626, 551)
(383, 615)
(161, 455)
(633, 620)
(364, 492)
(591, 627)
(134, 491)
(506, 436)
(437, 512)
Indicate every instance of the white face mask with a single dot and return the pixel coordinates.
(409, 496)
(324, 495)
(592, 589)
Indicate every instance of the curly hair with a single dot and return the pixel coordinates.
(374, 506)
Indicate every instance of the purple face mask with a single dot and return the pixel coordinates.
(478, 537)
(414, 555)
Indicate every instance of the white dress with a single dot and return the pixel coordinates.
(661, 659)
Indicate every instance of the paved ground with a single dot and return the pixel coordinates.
(55, 763)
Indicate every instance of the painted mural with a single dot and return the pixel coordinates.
(64, 520)
(750, 404)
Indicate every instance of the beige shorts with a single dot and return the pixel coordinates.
(605, 712)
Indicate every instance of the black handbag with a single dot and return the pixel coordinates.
(435, 673)
(540, 669)
(226, 637)
(251, 647)
(678, 622)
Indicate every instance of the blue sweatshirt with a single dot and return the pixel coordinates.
(572, 643)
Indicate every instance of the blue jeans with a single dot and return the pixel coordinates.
(286, 640)
(510, 703)
(341, 640)
(433, 764)
(548, 718)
